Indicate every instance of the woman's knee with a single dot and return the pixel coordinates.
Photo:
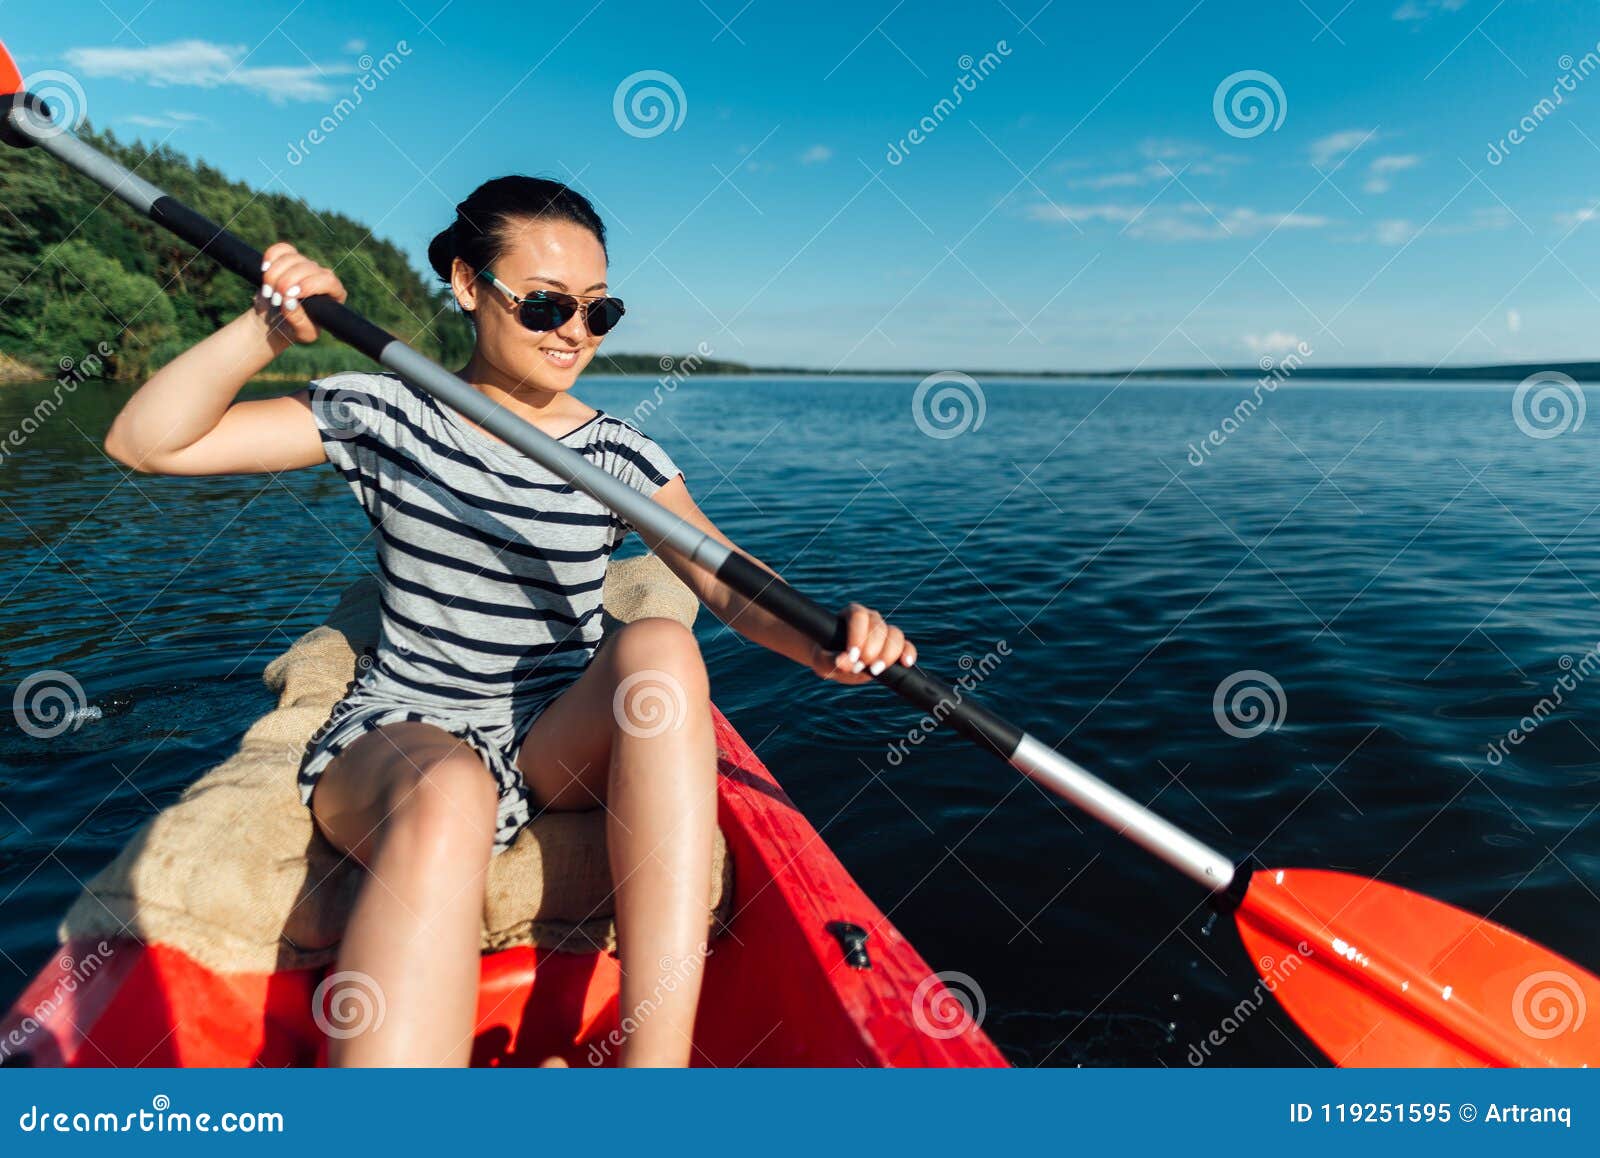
(659, 679)
(444, 806)
(659, 645)
(412, 779)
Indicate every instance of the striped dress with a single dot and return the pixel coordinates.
(490, 571)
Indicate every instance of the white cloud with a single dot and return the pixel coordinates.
(1378, 172)
(355, 45)
(1514, 321)
(816, 155)
(1169, 156)
(203, 64)
(1578, 217)
(1163, 160)
(1194, 223)
(1399, 230)
(1187, 222)
(1335, 148)
(1396, 231)
(1277, 342)
(1110, 181)
(1413, 10)
(1116, 214)
(170, 119)
(1394, 162)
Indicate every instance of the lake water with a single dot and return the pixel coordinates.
(1409, 566)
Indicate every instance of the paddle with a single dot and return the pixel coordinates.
(1374, 974)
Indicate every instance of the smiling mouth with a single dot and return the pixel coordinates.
(563, 358)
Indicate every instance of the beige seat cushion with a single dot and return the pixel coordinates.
(235, 875)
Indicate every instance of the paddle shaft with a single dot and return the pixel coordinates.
(28, 123)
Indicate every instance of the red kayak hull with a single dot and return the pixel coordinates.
(778, 989)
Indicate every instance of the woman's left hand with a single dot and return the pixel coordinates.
(871, 645)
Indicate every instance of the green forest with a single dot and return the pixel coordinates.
(78, 268)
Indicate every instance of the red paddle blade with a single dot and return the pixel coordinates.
(10, 78)
(1377, 975)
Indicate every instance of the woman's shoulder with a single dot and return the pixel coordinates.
(360, 388)
(608, 427)
(358, 400)
(380, 385)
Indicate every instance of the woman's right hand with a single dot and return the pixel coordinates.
(287, 278)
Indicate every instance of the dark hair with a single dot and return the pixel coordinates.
(482, 222)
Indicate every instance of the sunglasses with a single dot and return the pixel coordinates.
(546, 310)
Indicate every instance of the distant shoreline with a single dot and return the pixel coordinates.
(629, 366)
(1512, 372)
(1581, 371)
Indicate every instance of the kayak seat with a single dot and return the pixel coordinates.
(235, 875)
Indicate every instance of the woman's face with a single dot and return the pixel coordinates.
(538, 255)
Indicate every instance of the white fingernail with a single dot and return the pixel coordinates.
(855, 654)
(266, 291)
(265, 265)
(877, 668)
(290, 304)
(277, 299)
(859, 667)
(292, 291)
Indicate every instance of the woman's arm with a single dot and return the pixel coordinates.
(184, 419)
(872, 643)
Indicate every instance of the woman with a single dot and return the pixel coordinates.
(489, 699)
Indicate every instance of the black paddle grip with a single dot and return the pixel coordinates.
(8, 133)
(913, 684)
(228, 251)
(805, 615)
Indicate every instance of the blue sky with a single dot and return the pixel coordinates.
(1083, 206)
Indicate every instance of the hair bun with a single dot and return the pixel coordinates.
(442, 252)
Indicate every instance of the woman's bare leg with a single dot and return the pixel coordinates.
(416, 806)
(634, 733)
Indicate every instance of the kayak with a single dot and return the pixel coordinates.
(807, 972)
